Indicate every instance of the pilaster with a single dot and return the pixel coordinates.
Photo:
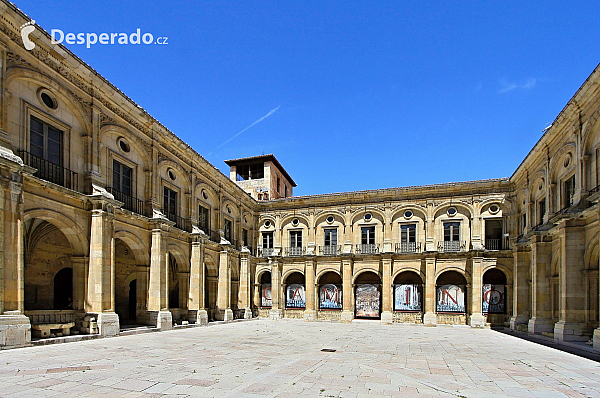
(347, 303)
(244, 288)
(476, 319)
(430, 318)
(310, 313)
(158, 311)
(521, 289)
(541, 312)
(223, 311)
(276, 299)
(386, 289)
(196, 306)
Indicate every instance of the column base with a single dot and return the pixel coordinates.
(519, 323)
(275, 314)
(540, 325)
(108, 324)
(597, 340)
(15, 329)
(477, 321)
(387, 317)
(247, 313)
(198, 317)
(161, 319)
(429, 319)
(310, 315)
(566, 331)
(347, 316)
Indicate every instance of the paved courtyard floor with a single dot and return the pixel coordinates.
(284, 358)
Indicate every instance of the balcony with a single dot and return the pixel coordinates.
(367, 249)
(265, 251)
(50, 171)
(493, 244)
(408, 247)
(295, 251)
(129, 202)
(180, 222)
(330, 250)
(451, 246)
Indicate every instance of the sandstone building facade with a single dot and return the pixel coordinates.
(108, 219)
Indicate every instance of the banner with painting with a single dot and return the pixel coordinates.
(493, 298)
(451, 298)
(367, 301)
(265, 295)
(330, 297)
(407, 298)
(295, 296)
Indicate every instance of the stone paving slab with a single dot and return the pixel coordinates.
(284, 358)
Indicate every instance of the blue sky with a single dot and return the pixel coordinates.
(368, 95)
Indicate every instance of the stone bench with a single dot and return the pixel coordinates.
(44, 330)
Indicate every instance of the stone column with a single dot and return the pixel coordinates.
(386, 289)
(158, 311)
(572, 295)
(223, 311)
(521, 298)
(541, 296)
(196, 307)
(245, 289)
(80, 270)
(310, 313)
(101, 269)
(476, 319)
(429, 318)
(276, 298)
(15, 328)
(256, 297)
(347, 302)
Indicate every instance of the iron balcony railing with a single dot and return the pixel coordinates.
(493, 244)
(295, 251)
(330, 250)
(265, 251)
(129, 202)
(367, 249)
(50, 171)
(449, 246)
(180, 222)
(408, 247)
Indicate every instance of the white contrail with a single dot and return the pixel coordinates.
(272, 111)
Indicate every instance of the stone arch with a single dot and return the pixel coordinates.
(378, 215)
(212, 200)
(326, 270)
(366, 269)
(133, 140)
(399, 211)
(321, 217)
(61, 92)
(415, 271)
(450, 203)
(555, 161)
(454, 268)
(164, 164)
(287, 220)
(135, 243)
(69, 228)
(288, 272)
(502, 268)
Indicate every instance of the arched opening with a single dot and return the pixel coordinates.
(451, 293)
(494, 292)
(211, 284)
(367, 296)
(63, 289)
(173, 282)
(125, 273)
(132, 300)
(295, 294)
(408, 292)
(48, 267)
(265, 290)
(330, 291)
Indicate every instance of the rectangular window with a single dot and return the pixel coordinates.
(122, 177)
(45, 141)
(295, 238)
(524, 221)
(245, 237)
(451, 231)
(569, 191)
(542, 211)
(367, 235)
(267, 240)
(204, 218)
(330, 237)
(228, 229)
(285, 189)
(250, 172)
(278, 185)
(408, 233)
(170, 202)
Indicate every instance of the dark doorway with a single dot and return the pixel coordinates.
(132, 299)
(63, 289)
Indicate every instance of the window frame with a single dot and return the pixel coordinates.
(330, 231)
(297, 241)
(370, 239)
(176, 192)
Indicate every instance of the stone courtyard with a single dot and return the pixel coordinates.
(285, 358)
